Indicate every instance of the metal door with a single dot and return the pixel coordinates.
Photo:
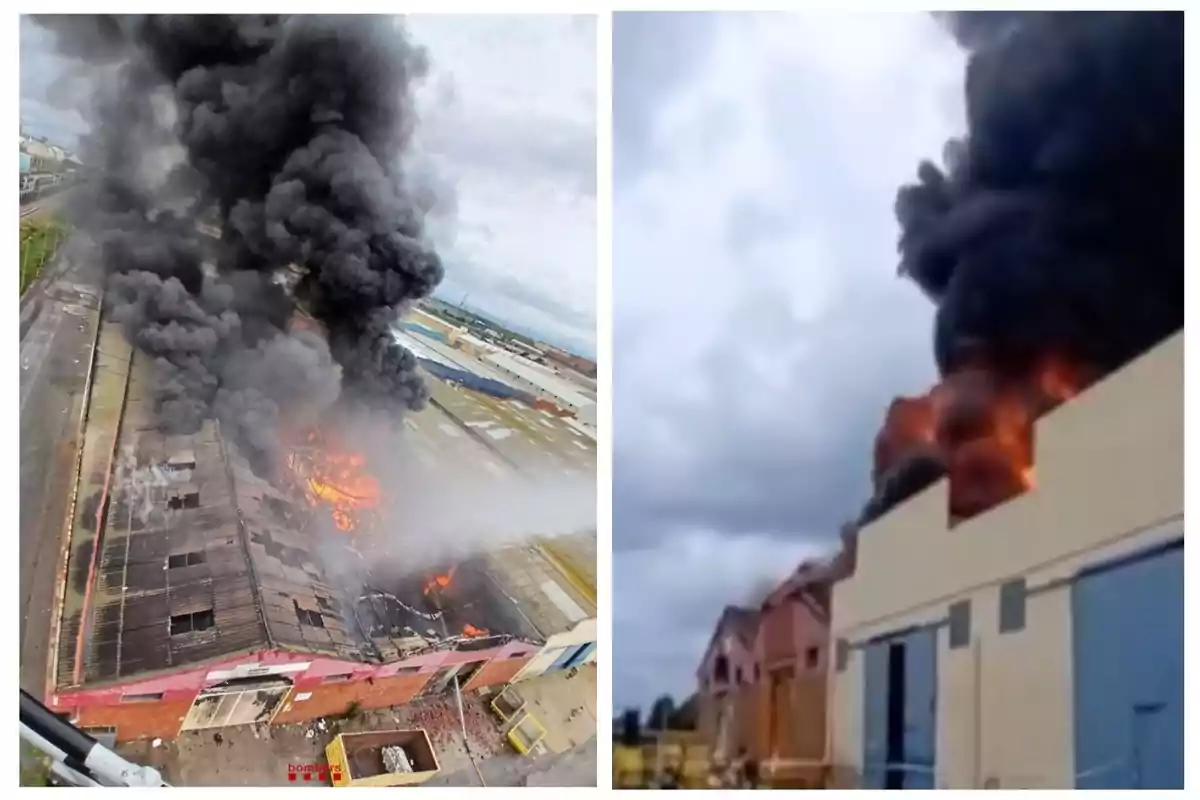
(1128, 660)
(236, 703)
(569, 655)
(583, 652)
(920, 708)
(875, 715)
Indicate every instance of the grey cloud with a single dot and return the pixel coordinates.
(757, 442)
(654, 55)
(480, 278)
(520, 146)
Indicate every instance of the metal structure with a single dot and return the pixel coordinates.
(78, 759)
(900, 710)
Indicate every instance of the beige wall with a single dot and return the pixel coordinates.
(583, 632)
(1109, 482)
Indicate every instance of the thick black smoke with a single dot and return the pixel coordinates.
(1056, 225)
(286, 134)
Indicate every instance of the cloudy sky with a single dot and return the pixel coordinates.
(508, 119)
(759, 326)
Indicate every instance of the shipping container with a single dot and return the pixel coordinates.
(358, 759)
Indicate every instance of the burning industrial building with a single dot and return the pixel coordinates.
(1051, 241)
(197, 594)
(242, 544)
(1035, 642)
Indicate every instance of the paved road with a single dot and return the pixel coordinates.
(575, 767)
(54, 355)
(44, 205)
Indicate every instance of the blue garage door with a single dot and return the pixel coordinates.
(1128, 653)
(920, 709)
(570, 656)
(900, 711)
(875, 715)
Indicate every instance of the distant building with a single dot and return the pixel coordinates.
(1038, 644)
(792, 656)
(527, 375)
(762, 682)
(41, 156)
(727, 712)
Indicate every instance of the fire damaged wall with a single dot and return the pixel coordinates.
(1110, 484)
(498, 671)
(133, 721)
(331, 699)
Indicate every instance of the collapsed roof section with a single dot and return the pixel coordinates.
(200, 559)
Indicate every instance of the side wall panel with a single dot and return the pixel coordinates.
(1128, 639)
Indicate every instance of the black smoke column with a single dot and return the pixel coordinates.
(1055, 228)
(288, 134)
(1058, 221)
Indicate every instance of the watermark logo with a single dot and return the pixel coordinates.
(314, 772)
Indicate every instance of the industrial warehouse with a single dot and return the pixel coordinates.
(1036, 644)
(192, 594)
(1040, 643)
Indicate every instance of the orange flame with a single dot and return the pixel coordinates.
(470, 630)
(440, 581)
(979, 422)
(335, 479)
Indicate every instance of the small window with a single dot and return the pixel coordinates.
(721, 670)
(518, 654)
(186, 500)
(812, 657)
(960, 624)
(842, 655)
(1012, 606)
(737, 676)
(408, 670)
(306, 617)
(149, 697)
(180, 560)
(341, 677)
(193, 622)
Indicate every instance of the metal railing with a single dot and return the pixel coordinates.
(76, 758)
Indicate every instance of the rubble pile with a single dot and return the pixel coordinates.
(396, 760)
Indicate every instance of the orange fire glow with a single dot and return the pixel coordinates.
(335, 478)
(470, 630)
(980, 426)
(440, 581)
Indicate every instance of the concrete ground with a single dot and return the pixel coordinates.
(58, 317)
(262, 755)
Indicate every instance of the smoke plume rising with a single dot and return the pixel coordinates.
(286, 134)
(1051, 240)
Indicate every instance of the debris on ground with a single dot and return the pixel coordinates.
(396, 760)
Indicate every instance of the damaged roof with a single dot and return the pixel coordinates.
(201, 559)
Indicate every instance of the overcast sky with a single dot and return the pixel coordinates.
(759, 326)
(508, 118)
